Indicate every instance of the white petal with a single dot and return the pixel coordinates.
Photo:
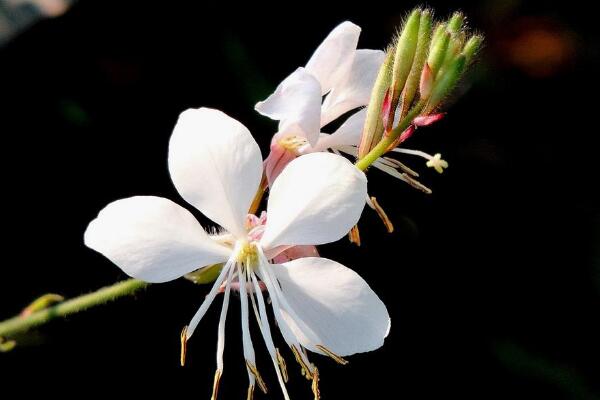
(296, 103)
(346, 135)
(315, 200)
(152, 238)
(341, 311)
(355, 90)
(332, 60)
(216, 166)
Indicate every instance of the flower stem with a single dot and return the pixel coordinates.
(18, 325)
(383, 146)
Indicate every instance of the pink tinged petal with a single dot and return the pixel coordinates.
(296, 104)
(315, 200)
(278, 159)
(332, 307)
(296, 252)
(153, 239)
(355, 90)
(333, 59)
(215, 165)
(426, 120)
(348, 134)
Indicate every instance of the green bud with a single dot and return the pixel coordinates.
(205, 275)
(414, 77)
(42, 303)
(373, 129)
(472, 47)
(455, 23)
(437, 51)
(445, 83)
(455, 46)
(406, 48)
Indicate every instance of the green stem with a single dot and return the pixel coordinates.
(385, 143)
(19, 324)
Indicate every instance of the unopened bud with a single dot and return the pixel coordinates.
(205, 275)
(472, 47)
(426, 82)
(414, 77)
(406, 48)
(455, 23)
(437, 51)
(446, 82)
(374, 123)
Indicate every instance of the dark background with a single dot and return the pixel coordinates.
(492, 282)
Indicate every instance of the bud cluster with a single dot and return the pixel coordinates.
(421, 68)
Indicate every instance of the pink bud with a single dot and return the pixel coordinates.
(277, 160)
(426, 82)
(426, 120)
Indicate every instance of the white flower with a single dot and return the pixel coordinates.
(216, 165)
(336, 69)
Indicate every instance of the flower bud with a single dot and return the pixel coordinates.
(374, 123)
(437, 50)
(472, 47)
(446, 82)
(406, 48)
(455, 23)
(414, 77)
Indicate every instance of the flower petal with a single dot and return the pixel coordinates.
(346, 135)
(340, 310)
(355, 90)
(333, 59)
(152, 238)
(315, 200)
(296, 103)
(216, 166)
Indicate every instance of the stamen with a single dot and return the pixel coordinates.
(184, 341)
(386, 221)
(416, 184)
(397, 164)
(250, 394)
(354, 235)
(331, 354)
(259, 379)
(305, 369)
(315, 384)
(216, 383)
(282, 366)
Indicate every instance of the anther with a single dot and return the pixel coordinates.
(259, 379)
(354, 235)
(331, 354)
(315, 383)
(305, 369)
(183, 345)
(386, 221)
(216, 383)
(282, 366)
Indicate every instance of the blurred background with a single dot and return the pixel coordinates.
(492, 282)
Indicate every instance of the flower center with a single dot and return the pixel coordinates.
(247, 255)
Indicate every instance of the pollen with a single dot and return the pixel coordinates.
(248, 255)
(292, 143)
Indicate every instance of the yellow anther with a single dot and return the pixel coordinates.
(216, 383)
(250, 394)
(415, 183)
(305, 368)
(331, 354)
(282, 366)
(259, 379)
(437, 163)
(354, 235)
(183, 345)
(386, 221)
(315, 383)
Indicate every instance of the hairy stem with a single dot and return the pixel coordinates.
(18, 325)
